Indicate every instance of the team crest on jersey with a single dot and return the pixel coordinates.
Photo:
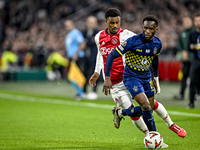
(155, 50)
(135, 88)
(124, 43)
(114, 41)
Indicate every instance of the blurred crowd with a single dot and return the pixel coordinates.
(36, 26)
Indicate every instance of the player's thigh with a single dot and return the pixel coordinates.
(121, 96)
(134, 86)
(149, 88)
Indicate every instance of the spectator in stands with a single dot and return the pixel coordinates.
(30, 20)
(8, 60)
(90, 54)
(185, 53)
(75, 44)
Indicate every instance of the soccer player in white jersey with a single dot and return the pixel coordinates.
(106, 41)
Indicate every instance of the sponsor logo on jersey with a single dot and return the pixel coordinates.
(105, 50)
(147, 50)
(155, 50)
(139, 50)
(114, 41)
(124, 43)
(144, 61)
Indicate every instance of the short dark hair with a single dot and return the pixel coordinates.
(112, 12)
(151, 18)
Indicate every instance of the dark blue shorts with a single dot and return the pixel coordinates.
(136, 86)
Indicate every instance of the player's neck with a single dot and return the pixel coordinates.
(108, 31)
(147, 40)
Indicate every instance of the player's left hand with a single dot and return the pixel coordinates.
(107, 86)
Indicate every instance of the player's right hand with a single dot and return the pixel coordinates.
(93, 79)
(107, 86)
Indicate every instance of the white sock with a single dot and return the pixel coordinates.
(120, 113)
(141, 125)
(162, 113)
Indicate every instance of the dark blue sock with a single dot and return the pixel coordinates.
(149, 120)
(133, 112)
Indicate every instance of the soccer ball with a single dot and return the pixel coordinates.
(153, 140)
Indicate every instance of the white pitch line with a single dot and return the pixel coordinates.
(77, 103)
(53, 101)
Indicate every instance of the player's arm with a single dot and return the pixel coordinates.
(107, 83)
(117, 52)
(82, 45)
(98, 66)
(155, 63)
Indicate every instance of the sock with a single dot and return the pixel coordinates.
(149, 120)
(133, 112)
(160, 110)
(139, 123)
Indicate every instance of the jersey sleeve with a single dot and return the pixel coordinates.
(155, 61)
(126, 45)
(80, 37)
(157, 50)
(99, 58)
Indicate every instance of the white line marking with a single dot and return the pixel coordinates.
(77, 103)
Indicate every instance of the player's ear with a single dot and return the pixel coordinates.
(156, 29)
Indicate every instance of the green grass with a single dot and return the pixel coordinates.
(42, 115)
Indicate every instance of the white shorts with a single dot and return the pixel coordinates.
(121, 95)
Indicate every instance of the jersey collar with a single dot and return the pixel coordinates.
(119, 30)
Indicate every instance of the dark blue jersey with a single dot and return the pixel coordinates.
(139, 56)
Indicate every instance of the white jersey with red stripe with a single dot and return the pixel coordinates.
(106, 43)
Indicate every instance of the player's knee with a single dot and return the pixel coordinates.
(146, 107)
(131, 106)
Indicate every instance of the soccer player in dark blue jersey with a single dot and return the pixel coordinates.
(140, 51)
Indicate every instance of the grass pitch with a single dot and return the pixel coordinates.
(43, 115)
